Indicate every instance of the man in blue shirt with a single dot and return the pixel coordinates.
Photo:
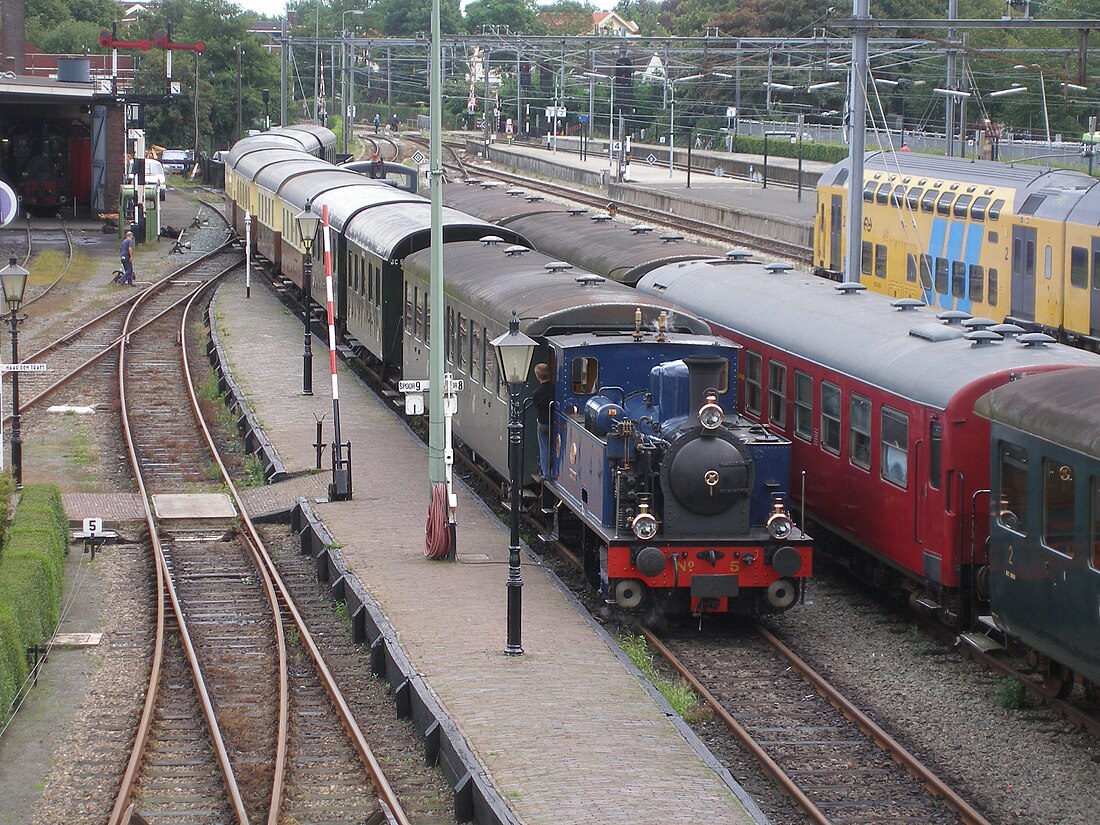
(127, 255)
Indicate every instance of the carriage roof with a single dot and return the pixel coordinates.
(908, 353)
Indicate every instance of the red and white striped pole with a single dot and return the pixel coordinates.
(340, 488)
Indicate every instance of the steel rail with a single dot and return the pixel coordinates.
(381, 784)
(253, 543)
(68, 264)
(145, 725)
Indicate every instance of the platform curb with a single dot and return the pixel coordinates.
(476, 799)
(256, 441)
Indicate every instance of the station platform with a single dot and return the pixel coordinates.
(569, 732)
(732, 194)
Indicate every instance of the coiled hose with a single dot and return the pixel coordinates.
(437, 534)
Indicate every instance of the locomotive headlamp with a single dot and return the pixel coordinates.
(644, 524)
(710, 414)
(779, 523)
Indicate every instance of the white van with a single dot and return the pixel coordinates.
(154, 176)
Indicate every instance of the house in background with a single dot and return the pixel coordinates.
(609, 24)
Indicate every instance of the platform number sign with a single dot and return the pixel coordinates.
(9, 204)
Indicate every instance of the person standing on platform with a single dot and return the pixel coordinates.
(542, 399)
(126, 253)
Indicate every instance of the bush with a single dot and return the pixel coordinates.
(32, 576)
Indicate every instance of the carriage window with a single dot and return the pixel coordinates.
(883, 193)
(803, 405)
(897, 197)
(475, 351)
(880, 260)
(913, 198)
(943, 207)
(958, 279)
(928, 202)
(992, 299)
(489, 360)
(408, 309)
(867, 252)
(753, 379)
(1094, 531)
(461, 343)
(427, 319)
(935, 458)
(859, 431)
(995, 209)
(830, 418)
(777, 394)
(1048, 262)
(1058, 509)
(1095, 264)
(977, 211)
(911, 268)
(926, 271)
(1079, 267)
(895, 447)
(977, 281)
(584, 374)
(941, 275)
(869, 191)
(418, 319)
(960, 206)
(449, 332)
(1012, 512)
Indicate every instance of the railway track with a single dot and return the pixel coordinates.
(242, 721)
(465, 169)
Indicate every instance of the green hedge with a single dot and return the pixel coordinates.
(32, 579)
(782, 147)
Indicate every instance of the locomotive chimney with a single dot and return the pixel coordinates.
(704, 373)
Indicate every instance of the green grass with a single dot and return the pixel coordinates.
(1010, 693)
(676, 691)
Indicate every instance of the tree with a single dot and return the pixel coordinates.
(567, 17)
(404, 18)
(61, 27)
(520, 16)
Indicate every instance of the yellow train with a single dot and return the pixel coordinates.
(1013, 243)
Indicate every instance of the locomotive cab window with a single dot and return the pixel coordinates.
(1012, 512)
(894, 456)
(753, 383)
(1058, 507)
(584, 375)
(859, 431)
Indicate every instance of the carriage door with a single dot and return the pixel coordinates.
(1023, 272)
(1094, 293)
(836, 231)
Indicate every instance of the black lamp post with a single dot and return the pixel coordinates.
(13, 280)
(307, 221)
(514, 351)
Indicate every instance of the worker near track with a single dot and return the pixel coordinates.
(126, 253)
(542, 399)
(377, 122)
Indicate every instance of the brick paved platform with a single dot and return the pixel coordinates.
(567, 732)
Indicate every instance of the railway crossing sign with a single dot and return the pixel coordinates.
(9, 204)
(22, 368)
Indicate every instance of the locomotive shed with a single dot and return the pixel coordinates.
(62, 141)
